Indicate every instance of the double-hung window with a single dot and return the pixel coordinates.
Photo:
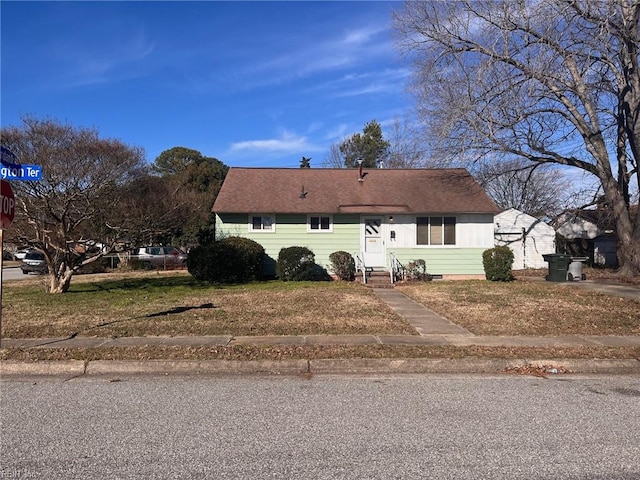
(319, 223)
(436, 230)
(261, 223)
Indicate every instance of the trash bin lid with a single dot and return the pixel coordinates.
(555, 256)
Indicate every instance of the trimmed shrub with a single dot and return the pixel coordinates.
(343, 265)
(416, 270)
(497, 264)
(230, 260)
(296, 264)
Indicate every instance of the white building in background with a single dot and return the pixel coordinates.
(529, 238)
(596, 229)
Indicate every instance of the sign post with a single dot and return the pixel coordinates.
(7, 213)
(7, 203)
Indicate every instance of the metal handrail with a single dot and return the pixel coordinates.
(361, 266)
(396, 268)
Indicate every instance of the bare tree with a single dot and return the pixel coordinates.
(534, 189)
(551, 81)
(334, 158)
(406, 150)
(72, 207)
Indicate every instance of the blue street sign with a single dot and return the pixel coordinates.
(11, 170)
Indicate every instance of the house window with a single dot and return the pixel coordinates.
(320, 223)
(261, 223)
(436, 230)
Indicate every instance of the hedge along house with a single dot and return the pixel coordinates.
(380, 216)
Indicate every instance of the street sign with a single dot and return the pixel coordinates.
(11, 170)
(21, 172)
(7, 204)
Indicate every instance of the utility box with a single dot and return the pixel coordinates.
(558, 266)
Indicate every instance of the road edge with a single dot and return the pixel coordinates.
(10, 368)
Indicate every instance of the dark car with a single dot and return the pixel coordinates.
(161, 257)
(34, 262)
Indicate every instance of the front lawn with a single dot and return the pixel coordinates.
(174, 304)
(527, 308)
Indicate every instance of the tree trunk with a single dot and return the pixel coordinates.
(629, 253)
(59, 283)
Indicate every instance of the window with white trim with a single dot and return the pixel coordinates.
(435, 230)
(320, 223)
(261, 223)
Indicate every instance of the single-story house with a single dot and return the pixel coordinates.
(590, 233)
(528, 238)
(441, 216)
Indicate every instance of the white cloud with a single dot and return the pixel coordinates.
(338, 132)
(303, 57)
(287, 143)
(361, 35)
(114, 59)
(390, 80)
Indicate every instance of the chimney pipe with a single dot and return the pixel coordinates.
(360, 177)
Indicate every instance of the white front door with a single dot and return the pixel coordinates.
(373, 247)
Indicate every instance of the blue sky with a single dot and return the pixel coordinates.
(250, 83)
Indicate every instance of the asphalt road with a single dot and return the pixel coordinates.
(13, 273)
(325, 427)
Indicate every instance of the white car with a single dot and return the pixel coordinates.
(20, 254)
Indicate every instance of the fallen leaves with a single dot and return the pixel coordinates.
(538, 370)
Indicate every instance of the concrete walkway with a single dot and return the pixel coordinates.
(422, 319)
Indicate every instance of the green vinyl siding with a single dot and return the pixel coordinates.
(291, 230)
(444, 261)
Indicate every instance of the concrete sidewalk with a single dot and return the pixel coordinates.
(314, 340)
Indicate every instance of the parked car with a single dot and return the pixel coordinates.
(161, 257)
(20, 254)
(34, 262)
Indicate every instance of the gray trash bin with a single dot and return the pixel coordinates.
(575, 269)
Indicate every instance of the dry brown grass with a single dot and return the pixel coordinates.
(175, 304)
(283, 352)
(528, 308)
(172, 303)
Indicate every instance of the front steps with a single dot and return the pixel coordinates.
(376, 278)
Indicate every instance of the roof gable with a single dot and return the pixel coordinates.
(513, 220)
(320, 190)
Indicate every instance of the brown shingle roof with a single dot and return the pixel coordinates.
(323, 190)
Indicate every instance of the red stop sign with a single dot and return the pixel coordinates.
(7, 204)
